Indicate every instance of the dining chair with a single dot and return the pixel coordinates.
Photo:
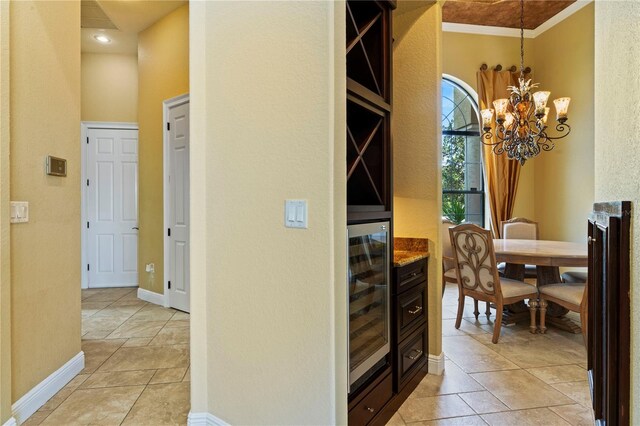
(520, 228)
(572, 296)
(475, 263)
(449, 267)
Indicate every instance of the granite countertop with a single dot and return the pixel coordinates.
(409, 250)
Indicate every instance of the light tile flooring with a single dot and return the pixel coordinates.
(136, 365)
(525, 379)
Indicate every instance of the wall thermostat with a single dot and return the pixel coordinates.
(56, 166)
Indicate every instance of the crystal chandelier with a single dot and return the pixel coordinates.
(521, 125)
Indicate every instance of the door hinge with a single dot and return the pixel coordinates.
(168, 232)
(168, 126)
(169, 284)
(87, 225)
(88, 268)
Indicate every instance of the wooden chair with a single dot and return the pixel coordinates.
(519, 228)
(572, 296)
(574, 277)
(478, 276)
(449, 267)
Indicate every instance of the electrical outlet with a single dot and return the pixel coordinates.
(150, 267)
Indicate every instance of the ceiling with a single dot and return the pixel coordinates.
(502, 13)
(121, 21)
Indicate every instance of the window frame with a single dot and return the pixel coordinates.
(466, 133)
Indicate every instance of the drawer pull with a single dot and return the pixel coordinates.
(369, 409)
(416, 356)
(414, 274)
(416, 310)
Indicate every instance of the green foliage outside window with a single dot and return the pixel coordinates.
(453, 152)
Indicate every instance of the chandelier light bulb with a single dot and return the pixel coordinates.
(501, 108)
(509, 119)
(562, 106)
(487, 115)
(540, 99)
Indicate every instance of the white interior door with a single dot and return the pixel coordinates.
(178, 206)
(112, 207)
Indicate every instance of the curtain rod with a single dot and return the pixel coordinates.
(498, 67)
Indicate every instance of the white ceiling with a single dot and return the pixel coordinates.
(128, 16)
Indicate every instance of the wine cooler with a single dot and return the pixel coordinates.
(369, 292)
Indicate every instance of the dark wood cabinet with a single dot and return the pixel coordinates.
(409, 313)
(609, 312)
(369, 188)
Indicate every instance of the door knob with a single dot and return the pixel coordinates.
(136, 228)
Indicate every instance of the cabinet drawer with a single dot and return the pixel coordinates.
(411, 354)
(411, 308)
(372, 404)
(408, 276)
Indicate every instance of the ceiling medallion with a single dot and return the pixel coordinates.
(521, 120)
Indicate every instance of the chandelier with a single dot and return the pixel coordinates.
(521, 120)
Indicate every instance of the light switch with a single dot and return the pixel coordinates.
(19, 212)
(295, 214)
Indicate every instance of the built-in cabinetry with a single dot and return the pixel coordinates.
(387, 303)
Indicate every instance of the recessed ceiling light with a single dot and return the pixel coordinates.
(102, 38)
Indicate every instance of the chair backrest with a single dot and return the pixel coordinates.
(475, 259)
(519, 228)
(447, 250)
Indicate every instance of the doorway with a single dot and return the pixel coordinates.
(176, 201)
(109, 205)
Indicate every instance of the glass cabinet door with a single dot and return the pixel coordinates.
(368, 297)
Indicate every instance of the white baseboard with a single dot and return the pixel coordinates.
(436, 364)
(204, 419)
(151, 297)
(10, 422)
(43, 391)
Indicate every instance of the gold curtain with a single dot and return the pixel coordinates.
(501, 173)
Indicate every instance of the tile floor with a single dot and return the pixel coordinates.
(525, 379)
(136, 365)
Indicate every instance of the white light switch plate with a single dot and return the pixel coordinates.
(19, 212)
(295, 214)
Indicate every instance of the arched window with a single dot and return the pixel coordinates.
(462, 179)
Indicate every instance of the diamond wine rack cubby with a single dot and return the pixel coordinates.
(368, 110)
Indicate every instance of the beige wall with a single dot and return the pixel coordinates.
(462, 56)
(563, 57)
(5, 270)
(417, 184)
(268, 123)
(45, 253)
(617, 138)
(163, 73)
(109, 87)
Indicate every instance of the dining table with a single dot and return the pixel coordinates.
(548, 257)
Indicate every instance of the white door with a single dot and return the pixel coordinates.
(112, 207)
(178, 206)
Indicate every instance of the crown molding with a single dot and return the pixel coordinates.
(515, 32)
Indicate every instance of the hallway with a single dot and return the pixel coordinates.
(136, 365)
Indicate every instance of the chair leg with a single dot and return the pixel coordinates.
(498, 323)
(476, 313)
(533, 306)
(444, 285)
(584, 322)
(488, 310)
(460, 309)
(543, 315)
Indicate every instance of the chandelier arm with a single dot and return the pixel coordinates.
(561, 128)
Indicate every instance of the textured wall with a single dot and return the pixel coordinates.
(617, 136)
(45, 253)
(462, 56)
(5, 270)
(109, 87)
(268, 123)
(417, 182)
(163, 73)
(563, 58)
